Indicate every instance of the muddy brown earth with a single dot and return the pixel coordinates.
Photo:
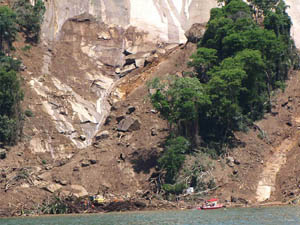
(119, 164)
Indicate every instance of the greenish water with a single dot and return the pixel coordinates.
(249, 216)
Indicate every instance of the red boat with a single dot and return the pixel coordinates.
(211, 204)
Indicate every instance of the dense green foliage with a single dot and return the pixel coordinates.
(29, 18)
(10, 98)
(173, 157)
(175, 189)
(8, 28)
(245, 54)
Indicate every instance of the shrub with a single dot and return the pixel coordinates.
(173, 157)
(175, 189)
(28, 113)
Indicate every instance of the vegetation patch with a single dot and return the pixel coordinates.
(245, 54)
(26, 18)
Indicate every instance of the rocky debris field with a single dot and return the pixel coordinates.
(92, 129)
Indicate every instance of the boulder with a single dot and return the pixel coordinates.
(151, 59)
(195, 33)
(138, 59)
(85, 163)
(79, 191)
(117, 70)
(63, 182)
(236, 162)
(82, 137)
(2, 153)
(104, 35)
(53, 187)
(93, 161)
(130, 109)
(102, 135)
(140, 62)
(129, 124)
(120, 118)
(230, 161)
(127, 69)
(153, 131)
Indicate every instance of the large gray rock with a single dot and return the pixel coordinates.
(195, 33)
(129, 124)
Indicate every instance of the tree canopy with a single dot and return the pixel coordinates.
(8, 28)
(240, 60)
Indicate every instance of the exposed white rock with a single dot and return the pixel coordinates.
(85, 111)
(140, 62)
(163, 20)
(293, 11)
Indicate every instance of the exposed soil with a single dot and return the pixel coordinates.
(119, 166)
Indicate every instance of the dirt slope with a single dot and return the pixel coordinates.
(119, 164)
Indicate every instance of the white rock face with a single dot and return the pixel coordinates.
(164, 20)
(294, 12)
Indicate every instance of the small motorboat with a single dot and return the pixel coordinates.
(211, 204)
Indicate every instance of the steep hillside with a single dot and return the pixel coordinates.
(93, 129)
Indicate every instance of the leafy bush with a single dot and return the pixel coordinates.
(56, 205)
(26, 48)
(28, 113)
(8, 130)
(8, 63)
(175, 189)
(173, 157)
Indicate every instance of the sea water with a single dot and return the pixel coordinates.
(239, 216)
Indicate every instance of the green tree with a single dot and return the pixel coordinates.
(10, 112)
(253, 98)
(173, 157)
(8, 63)
(30, 18)
(224, 89)
(179, 100)
(202, 61)
(8, 28)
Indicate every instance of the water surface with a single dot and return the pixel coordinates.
(250, 216)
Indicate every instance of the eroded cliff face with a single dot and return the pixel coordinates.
(293, 11)
(92, 44)
(163, 20)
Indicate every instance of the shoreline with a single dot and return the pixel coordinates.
(170, 207)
